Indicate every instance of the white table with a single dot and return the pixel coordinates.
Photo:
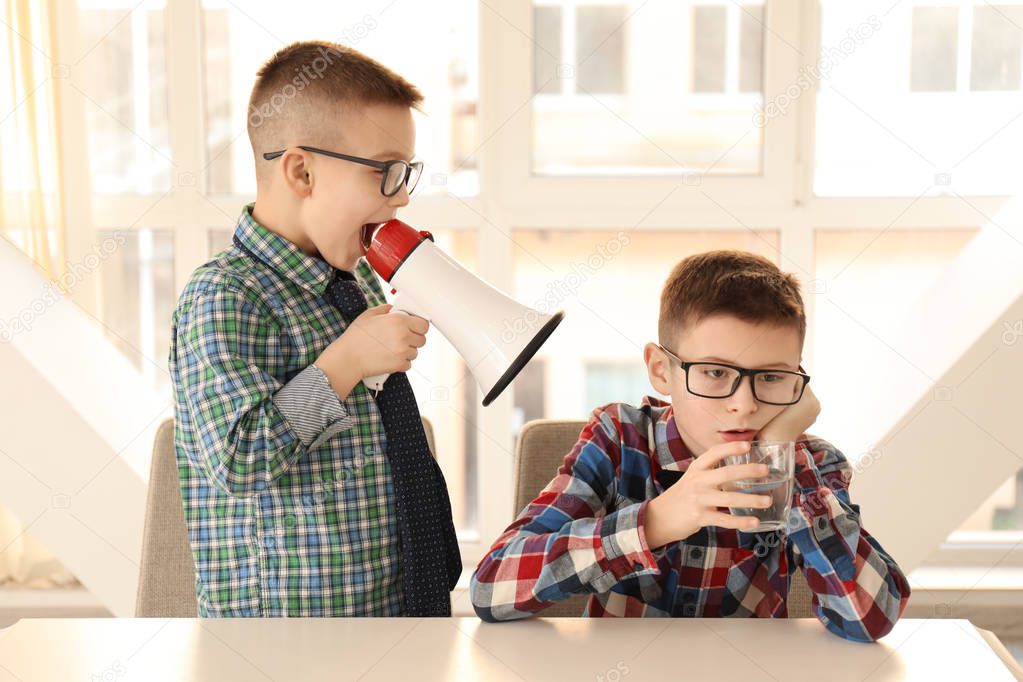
(466, 648)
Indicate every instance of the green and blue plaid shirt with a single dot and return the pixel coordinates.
(287, 490)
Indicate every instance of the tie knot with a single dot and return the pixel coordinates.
(345, 294)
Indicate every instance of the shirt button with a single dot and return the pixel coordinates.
(367, 450)
(689, 609)
(346, 474)
(696, 553)
(636, 566)
(289, 521)
(822, 522)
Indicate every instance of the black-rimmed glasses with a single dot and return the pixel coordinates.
(394, 173)
(719, 380)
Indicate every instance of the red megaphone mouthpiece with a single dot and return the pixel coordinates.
(392, 243)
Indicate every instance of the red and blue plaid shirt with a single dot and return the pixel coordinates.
(583, 534)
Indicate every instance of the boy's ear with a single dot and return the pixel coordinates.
(657, 368)
(297, 171)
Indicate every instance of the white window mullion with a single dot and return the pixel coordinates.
(964, 43)
(185, 115)
(140, 102)
(569, 36)
(733, 22)
(79, 224)
(784, 29)
(503, 128)
(806, 140)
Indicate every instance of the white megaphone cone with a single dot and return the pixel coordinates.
(495, 335)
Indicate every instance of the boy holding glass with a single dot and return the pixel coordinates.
(638, 515)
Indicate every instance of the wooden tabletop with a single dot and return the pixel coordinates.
(422, 649)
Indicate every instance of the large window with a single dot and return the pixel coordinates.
(642, 87)
(919, 98)
(576, 150)
(437, 51)
(123, 90)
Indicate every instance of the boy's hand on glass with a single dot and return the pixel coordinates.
(697, 500)
(794, 420)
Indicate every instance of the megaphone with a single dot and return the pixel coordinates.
(494, 334)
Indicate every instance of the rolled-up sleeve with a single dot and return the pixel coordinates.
(312, 407)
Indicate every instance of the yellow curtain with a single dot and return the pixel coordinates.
(31, 210)
(31, 207)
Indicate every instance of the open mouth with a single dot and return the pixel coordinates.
(366, 234)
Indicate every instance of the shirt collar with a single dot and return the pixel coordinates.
(670, 450)
(285, 257)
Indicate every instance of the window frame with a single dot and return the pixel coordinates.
(512, 196)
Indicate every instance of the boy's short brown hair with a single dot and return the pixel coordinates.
(300, 91)
(729, 282)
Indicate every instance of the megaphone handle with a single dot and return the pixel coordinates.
(376, 382)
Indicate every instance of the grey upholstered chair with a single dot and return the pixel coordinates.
(541, 448)
(167, 572)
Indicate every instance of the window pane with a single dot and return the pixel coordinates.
(609, 285)
(122, 80)
(610, 382)
(1002, 513)
(866, 279)
(436, 51)
(895, 115)
(138, 297)
(218, 239)
(933, 62)
(751, 72)
(668, 88)
(600, 49)
(530, 398)
(708, 49)
(997, 43)
(547, 50)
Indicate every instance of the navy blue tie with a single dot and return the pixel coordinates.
(430, 557)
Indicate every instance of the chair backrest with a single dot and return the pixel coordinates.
(541, 449)
(166, 586)
(167, 572)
